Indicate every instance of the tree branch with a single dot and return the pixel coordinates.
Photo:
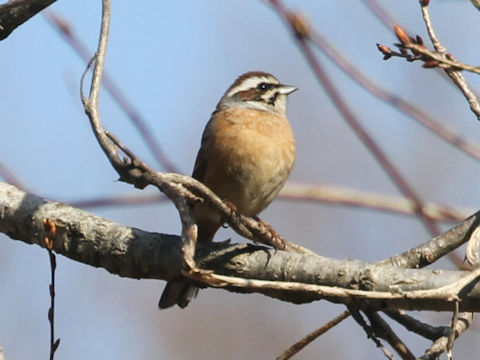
(15, 12)
(288, 276)
(302, 33)
(440, 345)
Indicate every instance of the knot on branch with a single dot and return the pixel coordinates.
(363, 280)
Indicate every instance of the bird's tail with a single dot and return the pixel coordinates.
(177, 292)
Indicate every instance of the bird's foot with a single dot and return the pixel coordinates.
(276, 240)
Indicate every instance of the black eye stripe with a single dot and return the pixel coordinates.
(265, 86)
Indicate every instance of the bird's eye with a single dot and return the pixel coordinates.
(264, 86)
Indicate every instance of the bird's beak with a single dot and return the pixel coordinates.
(287, 90)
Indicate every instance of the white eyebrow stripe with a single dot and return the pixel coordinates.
(250, 83)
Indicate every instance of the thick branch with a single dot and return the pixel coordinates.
(288, 276)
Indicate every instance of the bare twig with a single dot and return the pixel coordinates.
(452, 336)
(469, 148)
(379, 11)
(439, 58)
(299, 345)
(417, 326)
(440, 345)
(120, 98)
(120, 200)
(369, 331)
(129, 169)
(459, 81)
(444, 61)
(384, 331)
(430, 123)
(338, 195)
(51, 230)
(454, 74)
(431, 33)
(430, 251)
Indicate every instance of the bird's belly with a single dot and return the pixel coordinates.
(253, 173)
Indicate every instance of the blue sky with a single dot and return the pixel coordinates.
(174, 60)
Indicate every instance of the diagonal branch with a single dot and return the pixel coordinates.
(430, 251)
(299, 345)
(357, 316)
(120, 98)
(301, 32)
(384, 331)
(455, 75)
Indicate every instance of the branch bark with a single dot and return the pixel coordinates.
(288, 276)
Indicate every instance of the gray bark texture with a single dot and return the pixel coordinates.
(289, 276)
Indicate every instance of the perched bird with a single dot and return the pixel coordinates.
(246, 155)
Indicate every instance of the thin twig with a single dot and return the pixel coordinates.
(440, 345)
(369, 331)
(452, 336)
(430, 251)
(447, 62)
(423, 329)
(384, 331)
(431, 33)
(457, 78)
(299, 345)
(119, 97)
(337, 195)
(51, 230)
(430, 123)
(110, 146)
(381, 13)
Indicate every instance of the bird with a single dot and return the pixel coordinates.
(246, 154)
